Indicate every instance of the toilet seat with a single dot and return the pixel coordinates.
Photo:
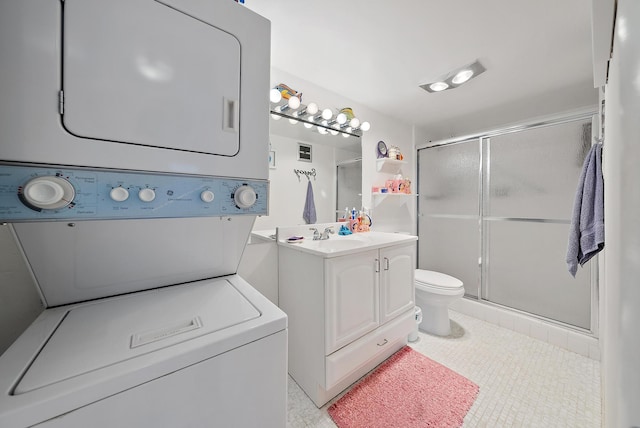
(435, 282)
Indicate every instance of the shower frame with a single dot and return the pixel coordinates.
(484, 179)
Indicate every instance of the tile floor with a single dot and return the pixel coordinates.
(524, 382)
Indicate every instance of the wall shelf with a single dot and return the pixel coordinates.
(397, 164)
(379, 197)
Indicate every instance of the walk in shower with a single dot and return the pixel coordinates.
(494, 211)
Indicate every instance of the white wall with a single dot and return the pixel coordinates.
(621, 164)
(563, 100)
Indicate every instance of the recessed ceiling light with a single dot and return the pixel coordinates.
(454, 78)
(462, 76)
(438, 86)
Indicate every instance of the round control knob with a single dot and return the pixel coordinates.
(119, 194)
(48, 192)
(245, 196)
(207, 196)
(146, 195)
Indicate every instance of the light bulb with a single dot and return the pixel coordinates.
(354, 123)
(462, 77)
(341, 118)
(327, 114)
(312, 108)
(275, 116)
(307, 125)
(333, 132)
(322, 130)
(275, 96)
(293, 121)
(294, 102)
(365, 126)
(325, 123)
(438, 86)
(345, 135)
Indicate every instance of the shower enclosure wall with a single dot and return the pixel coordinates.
(494, 211)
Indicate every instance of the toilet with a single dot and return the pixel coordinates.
(434, 292)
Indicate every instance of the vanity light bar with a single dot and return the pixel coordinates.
(326, 128)
(324, 121)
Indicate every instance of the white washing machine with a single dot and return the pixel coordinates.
(133, 148)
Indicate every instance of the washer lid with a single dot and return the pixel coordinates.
(100, 334)
(437, 279)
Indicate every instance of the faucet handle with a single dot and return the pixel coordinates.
(329, 230)
(316, 234)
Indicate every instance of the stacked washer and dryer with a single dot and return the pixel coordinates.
(133, 148)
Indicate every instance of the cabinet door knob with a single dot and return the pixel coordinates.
(377, 265)
(384, 342)
(386, 263)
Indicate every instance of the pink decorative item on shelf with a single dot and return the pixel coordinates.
(405, 186)
(397, 184)
(389, 186)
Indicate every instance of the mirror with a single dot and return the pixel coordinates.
(288, 190)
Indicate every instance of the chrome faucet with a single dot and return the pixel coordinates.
(325, 234)
(316, 234)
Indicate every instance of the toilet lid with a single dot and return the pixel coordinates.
(437, 279)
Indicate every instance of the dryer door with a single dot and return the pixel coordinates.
(128, 66)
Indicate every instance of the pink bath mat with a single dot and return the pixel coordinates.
(407, 390)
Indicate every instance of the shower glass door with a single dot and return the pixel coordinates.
(449, 221)
(495, 213)
(530, 179)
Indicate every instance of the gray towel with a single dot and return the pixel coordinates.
(309, 213)
(586, 233)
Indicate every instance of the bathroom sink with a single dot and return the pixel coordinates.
(338, 245)
(332, 245)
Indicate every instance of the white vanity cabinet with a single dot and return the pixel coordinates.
(352, 294)
(397, 295)
(347, 313)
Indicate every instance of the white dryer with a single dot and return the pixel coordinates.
(133, 148)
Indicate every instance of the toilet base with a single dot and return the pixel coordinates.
(435, 320)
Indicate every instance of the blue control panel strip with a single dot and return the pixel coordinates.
(147, 195)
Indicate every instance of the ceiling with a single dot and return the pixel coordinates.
(377, 52)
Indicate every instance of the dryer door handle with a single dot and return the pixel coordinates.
(230, 119)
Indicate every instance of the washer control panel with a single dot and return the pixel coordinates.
(30, 192)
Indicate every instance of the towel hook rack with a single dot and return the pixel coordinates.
(306, 173)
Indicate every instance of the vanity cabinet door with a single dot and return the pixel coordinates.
(351, 298)
(397, 272)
